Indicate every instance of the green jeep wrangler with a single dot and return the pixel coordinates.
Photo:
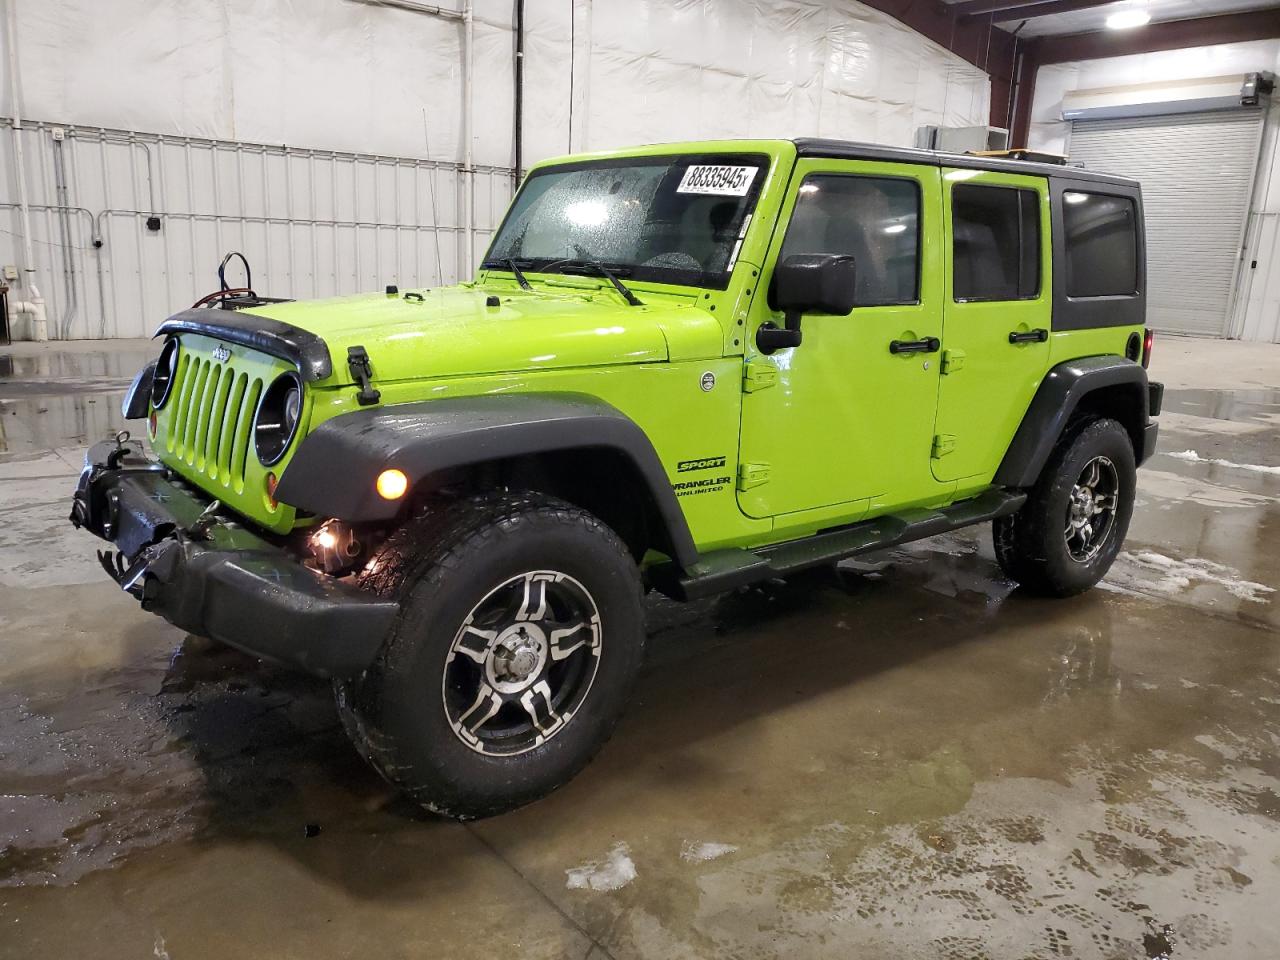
(689, 367)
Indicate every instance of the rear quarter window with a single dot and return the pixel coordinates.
(1101, 244)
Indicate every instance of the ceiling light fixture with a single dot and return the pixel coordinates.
(1128, 19)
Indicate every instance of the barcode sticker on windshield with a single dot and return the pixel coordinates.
(722, 181)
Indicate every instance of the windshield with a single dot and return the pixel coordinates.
(677, 219)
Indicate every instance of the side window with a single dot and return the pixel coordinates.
(875, 219)
(995, 235)
(1101, 244)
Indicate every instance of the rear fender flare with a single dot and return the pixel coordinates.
(1060, 395)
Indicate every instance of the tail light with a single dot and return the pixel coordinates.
(1148, 341)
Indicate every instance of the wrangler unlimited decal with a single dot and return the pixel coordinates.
(706, 485)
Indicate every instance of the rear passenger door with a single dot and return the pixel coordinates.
(997, 318)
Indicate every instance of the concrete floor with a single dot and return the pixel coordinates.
(904, 758)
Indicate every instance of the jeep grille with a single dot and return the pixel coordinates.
(211, 418)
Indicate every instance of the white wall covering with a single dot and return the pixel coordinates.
(1256, 314)
(650, 70)
(202, 85)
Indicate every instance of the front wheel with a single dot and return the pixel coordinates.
(520, 636)
(1068, 533)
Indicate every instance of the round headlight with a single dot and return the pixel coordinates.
(276, 422)
(165, 373)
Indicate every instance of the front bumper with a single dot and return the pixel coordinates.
(212, 576)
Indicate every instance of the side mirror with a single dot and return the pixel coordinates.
(807, 283)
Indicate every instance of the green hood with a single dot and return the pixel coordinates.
(452, 331)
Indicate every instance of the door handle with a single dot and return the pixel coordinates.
(927, 345)
(1039, 335)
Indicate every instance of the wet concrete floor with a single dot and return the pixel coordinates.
(901, 758)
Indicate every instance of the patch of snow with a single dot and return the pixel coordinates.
(612, 873)
(1190, 456)
(701, 852)
(1136, 568)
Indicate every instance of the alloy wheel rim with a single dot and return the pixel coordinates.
(522, 663)
(1091, 509)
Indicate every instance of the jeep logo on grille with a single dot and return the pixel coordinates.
(221, 354)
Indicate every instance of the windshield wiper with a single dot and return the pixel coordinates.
(514, 267)
(519, 274)
(600, 270)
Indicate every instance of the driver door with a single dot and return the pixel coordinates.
(842, 425)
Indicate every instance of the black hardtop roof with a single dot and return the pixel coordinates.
(850, 150)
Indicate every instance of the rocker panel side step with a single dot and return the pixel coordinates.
(724, 570)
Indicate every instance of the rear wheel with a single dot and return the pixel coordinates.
(1068, 533)
(520, 636)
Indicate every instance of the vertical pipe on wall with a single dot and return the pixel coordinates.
(1024, 97)
(468, 170)
(1015, 82)
(1015, 62)
(584, 88)
(39, 326)
(64, 233)
(517, 136)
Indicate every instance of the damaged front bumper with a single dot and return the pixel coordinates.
(214, 577)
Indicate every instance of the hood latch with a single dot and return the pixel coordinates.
(362, 373)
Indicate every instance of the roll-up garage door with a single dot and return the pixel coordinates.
(1197, 172)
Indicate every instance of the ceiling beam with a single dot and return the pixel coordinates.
(1169, 35)
(1046, 9)
(974, 8)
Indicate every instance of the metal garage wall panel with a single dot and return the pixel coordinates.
(313, 223)
(1197, 174)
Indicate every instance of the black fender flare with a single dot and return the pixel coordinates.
(1056, 401)
(138, 398)
(334, 471)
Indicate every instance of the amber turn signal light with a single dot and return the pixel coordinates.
(392, 484)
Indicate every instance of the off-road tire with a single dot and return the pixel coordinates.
(440, 567)
(1030, 545)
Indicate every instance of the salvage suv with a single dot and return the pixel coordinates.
(686, 367)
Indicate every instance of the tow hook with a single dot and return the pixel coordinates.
(208, 517)
(362, 373)
(121, 450)
(140, 579)
(113, 563)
